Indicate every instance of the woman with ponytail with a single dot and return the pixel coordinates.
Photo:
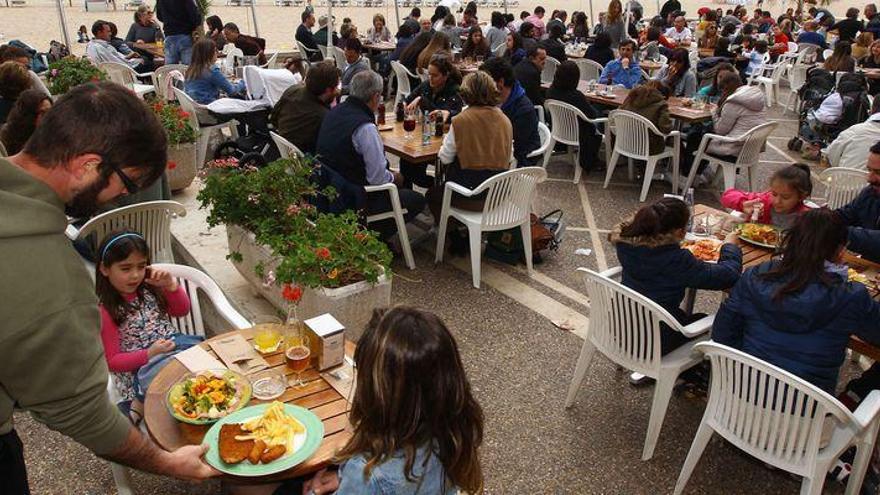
(656, 266)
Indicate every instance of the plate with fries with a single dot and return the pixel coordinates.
(264, 439)
(767, 236)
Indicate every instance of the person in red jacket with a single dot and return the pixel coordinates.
(779, 206)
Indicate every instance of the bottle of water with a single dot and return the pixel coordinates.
(427, 131)
(689, 201)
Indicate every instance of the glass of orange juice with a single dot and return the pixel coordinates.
(267, 333)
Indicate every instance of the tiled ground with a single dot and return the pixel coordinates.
(520, 365)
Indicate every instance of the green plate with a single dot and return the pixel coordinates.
(757, 243)
(242, 387)
(305, 447)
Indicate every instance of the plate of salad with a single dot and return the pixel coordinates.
(204, 397)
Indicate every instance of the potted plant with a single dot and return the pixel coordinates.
(182, 167)
(278, 240)
(69, 72)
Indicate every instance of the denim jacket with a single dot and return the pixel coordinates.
(206, 89)
(389, 478)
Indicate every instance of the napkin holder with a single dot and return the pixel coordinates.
(328, 341)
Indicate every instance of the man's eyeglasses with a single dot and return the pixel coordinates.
(130, 185)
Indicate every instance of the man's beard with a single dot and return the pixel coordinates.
(85, 203)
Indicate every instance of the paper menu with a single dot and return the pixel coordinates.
(342, 379)
(239, 355)
(197, 359)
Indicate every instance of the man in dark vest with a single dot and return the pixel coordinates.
(349, 143)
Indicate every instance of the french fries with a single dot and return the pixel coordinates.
(274, 428)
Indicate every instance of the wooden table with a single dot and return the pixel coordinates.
(467, 67)
(677, 110)
(380, 46)
(151, 48)
(755, 255)
(317, 395)
(411, 150)
(870, 73)
(650, 66)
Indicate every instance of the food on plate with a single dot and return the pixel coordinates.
(704, 249)
(207, 395)
(232, 449)
(758, 232)
(272, 454)
(256, 452)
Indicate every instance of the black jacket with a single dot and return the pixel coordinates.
(529, 76)
(555, 49)
(521, 112)
(863, 217)
(178, 16)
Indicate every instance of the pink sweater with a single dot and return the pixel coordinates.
(734, 199)
(120, 362)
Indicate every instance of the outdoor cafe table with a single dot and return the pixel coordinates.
(380, 46)
(412, 150)
(677, 108)
(754, 255)
(151, 48)
(316, 395)
(871, 73)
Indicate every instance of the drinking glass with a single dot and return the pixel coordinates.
(267, 333)
(297, 354)
(699, 102)
(268, 384)
(409, 123)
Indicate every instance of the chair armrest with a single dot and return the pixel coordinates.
(869, 409)
(460, 189)
(613, 273)
(232, 316)
(698, 327)
(389, 186)
(145, 74)
(727, 139)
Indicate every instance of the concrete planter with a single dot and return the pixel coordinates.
(352, 305)
(182, 168)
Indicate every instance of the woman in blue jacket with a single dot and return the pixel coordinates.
(798, 312)
(204, 81)
(655, 265)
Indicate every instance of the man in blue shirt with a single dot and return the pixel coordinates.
(625, 70)
(809, 35)
(862, 215)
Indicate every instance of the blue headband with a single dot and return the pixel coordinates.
(120, 236)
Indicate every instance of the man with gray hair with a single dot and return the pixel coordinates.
(321, 34)
(350, 145)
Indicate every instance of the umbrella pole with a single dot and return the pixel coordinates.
(330, 27)
(254, 14)
(592, 19)
(505, 7)
(397, 12)
(62, 18)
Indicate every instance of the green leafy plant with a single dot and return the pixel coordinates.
(176, 123)
(70, 72)
(316, 249)
(204, 7)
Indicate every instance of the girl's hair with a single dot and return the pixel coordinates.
(664, 216)
(653, 34)
(728, 30)
(681, 56)
(22, 120)
(446, 67)
(116, 247)
(525, 29)
(517, 44)
(761, 46)
(410, 55)
(478, 89)
(204, 54)
(449, 20)
(379, 17)
(567, 76)
(412, 392)
(841, 58)
(722, 46)
(720, 69)
(439, 42)
(871, 50)
(641, 92)
(497, 20)
(817, 236)
(214, 23)
(727, 84)
(797, 177)
(615, 11)
(439, 13)
(864, 39)
(471, 48)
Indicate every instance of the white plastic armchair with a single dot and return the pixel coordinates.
(161, 74)
(270, 61)
(126, 76)
(752, 142)
(590, 70)
(768, 75)
(625, 327)
(565, 119)
(193, 108)
(304, 53)
(797, 77)
(396, 212)
(285, 147)
(499, 49)
(633, 140)
(324, 51)
(402, 75)
(779, 418)
(550, 65)
(509, 197)
(546, 141)
(151, 219)
(339, 58)
(842, 185)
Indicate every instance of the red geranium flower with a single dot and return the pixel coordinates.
(323, 253)
(292, 293)
(172, 165)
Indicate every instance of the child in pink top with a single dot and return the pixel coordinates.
(779, 206)
(135, 302)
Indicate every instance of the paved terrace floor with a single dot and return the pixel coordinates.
(518, 361)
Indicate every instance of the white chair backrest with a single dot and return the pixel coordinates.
(509, 197)
(285, 147)
(270, 62)
(118, 73)
(256, 90)
(151, 219)
(402, 75)
(842, 185)
(193, 280)
(160, 79)
(625, 325)
(323, 50)
(544, 133)
(304, 52)
(778, 71)
(797, 75)
(767, 411)
(189, 106)
(564, 118)
(792, 47)
(550, 65)
(499, 50)
(632, 133)
(590, 69)
(754, 141)
(339, 55)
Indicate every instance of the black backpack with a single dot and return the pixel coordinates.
(856, 107)
(819, 84)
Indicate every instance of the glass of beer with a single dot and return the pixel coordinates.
(297, 354)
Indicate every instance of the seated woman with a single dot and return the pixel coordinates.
(709, 38)
(452, 31)
(677, 74)
(862, 47)
(215, 31)
(144, 29)
(600, 51)
(564, 89)
(479, 143)
(515, 51)
(475, 45)
(204, 81)
(841, 59)
(23, 119)
(872, 61)
(439, 97)
(379, 31)
(656, 266)
(649, 101)
(14, 80)
(409, 56)
(713, 89)
(439, 44)
(798, 311)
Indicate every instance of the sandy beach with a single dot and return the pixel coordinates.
(37, 23)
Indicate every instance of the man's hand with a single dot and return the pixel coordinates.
(190, 465)
(625, 63)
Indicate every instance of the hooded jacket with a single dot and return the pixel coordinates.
(653, 107)
(805, 333)
(659, 269)
(742, 111)
(51, 357)
(862, 215)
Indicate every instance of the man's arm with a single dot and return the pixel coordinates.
(184, 463)
(368, 144)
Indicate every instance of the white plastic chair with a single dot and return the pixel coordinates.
(768, 75)
(324, 52)
(126, 76)
(590, 69)
(402, 75)
(508, 203)
(161, 74)
(546, 142)
(339, 57)
(191, 107)
(752, 142)
(550, 65)
(797, 77)
(632, 134)
(270, 62)
(842, 185)
(565, 119)
(3, 152)
(625, 328)
(304, 52)
(151, 219)
(285, 147)
(499, 50)
(827, 53)
(396, 212)
(779, 418)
